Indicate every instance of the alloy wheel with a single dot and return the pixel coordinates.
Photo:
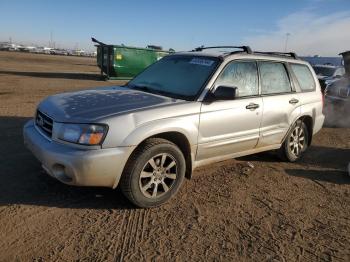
(297, 141)
(158, 175)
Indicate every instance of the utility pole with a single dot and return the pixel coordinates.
(50, 44)
(286, 43)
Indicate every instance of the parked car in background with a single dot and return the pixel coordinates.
(337, 97)
(186, 110)
(327, 74)
(6, 46)
(340, 90)
(58, 52)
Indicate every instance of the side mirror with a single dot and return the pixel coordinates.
(225, 93)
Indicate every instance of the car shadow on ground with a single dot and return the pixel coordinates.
(23, 181)
(331, 176)
(321, 164)
(324, 157)
(62, 75)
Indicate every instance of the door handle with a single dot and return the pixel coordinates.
(252, 106)
(293, 101)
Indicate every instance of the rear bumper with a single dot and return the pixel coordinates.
(91, 167)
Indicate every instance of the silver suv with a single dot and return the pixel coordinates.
(187, 110)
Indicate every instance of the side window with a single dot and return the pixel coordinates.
(274, 78)
(304, 77)
(240, 74)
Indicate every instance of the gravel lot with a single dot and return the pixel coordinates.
(278, 212)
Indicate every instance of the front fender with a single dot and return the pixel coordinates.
(186, 125)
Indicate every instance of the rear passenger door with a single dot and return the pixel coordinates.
(281, 102)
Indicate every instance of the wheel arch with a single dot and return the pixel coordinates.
(180, 140)
(309, 122)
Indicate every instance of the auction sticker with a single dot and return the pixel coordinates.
(201, 61)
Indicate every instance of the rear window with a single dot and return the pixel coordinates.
(304, 77)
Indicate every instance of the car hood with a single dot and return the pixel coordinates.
(95, 104)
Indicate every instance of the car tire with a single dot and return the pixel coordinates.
(295, 143)
(154, 173)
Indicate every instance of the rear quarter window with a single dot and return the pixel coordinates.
(304, 77)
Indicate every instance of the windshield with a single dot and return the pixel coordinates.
(177, 76)
(324, 71)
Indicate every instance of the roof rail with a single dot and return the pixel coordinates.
(290, 54)
(246, 49)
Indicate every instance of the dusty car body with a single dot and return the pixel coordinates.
(328, 74)
(339, 90)
(148, 139)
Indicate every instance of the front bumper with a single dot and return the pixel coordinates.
(75, 166)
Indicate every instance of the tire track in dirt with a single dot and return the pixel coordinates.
(116, 240)
(144, 220)
(126, 235)
(119, 246)
(131, 234)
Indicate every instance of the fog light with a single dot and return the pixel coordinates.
(59, 171)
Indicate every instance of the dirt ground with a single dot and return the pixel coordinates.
(278, 212)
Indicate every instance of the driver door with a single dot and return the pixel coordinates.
(231, 126)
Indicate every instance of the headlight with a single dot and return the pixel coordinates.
(84, 134)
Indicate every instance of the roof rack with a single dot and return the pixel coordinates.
(246, 49)
(290, 54)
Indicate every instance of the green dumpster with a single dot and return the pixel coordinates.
(124, 62)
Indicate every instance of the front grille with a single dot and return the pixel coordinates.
(44, 123)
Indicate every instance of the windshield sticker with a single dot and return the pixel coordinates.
(201, 61)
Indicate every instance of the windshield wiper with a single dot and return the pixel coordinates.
(147, 89)
(142, 88)
(157, 92)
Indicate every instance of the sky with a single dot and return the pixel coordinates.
(314, 27)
